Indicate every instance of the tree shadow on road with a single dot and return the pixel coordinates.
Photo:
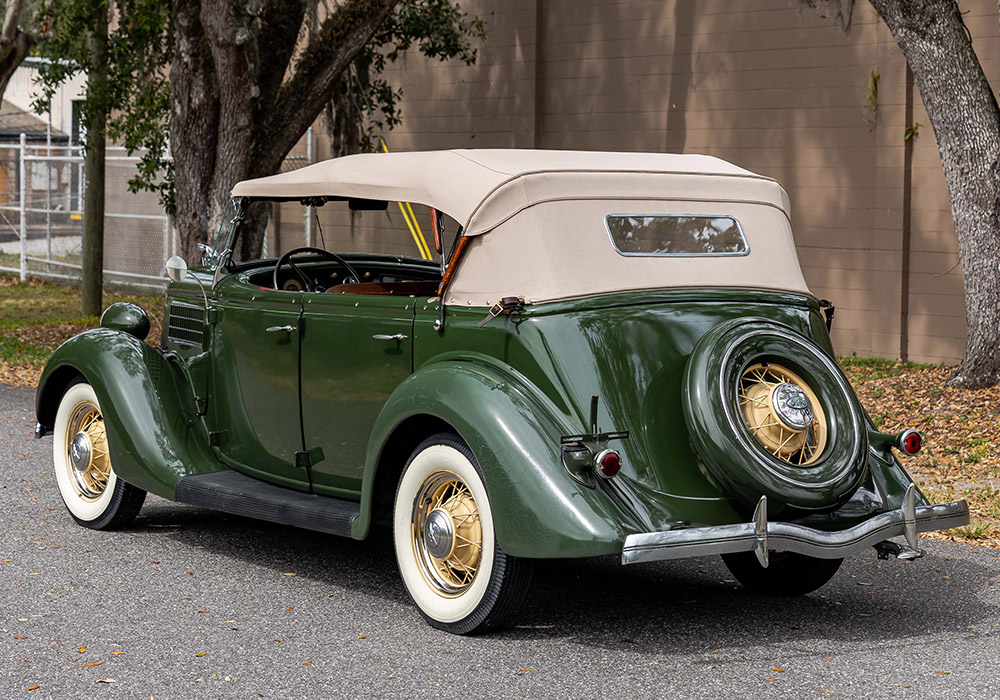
(695, 605)
(662, 608)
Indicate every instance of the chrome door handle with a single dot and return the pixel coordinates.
(280, 329)
(398, 337)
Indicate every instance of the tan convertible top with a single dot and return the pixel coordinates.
(545, 212)
(481, 188)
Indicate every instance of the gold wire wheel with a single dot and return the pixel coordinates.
(783, 413)
(87, 458)
(446, 533)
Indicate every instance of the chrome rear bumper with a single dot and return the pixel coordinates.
(760, 536)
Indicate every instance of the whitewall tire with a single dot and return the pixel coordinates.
(92, 492)
(446, 549)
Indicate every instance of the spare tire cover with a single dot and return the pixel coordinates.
(769, 413)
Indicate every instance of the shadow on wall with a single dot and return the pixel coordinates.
(681, 78)
(775, 89)
(595, 92)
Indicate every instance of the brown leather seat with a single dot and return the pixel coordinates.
(403, 289)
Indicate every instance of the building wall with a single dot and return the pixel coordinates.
(761, 83)
(22, 91)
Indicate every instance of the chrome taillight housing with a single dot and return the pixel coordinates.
(607, 463)
(910, 441)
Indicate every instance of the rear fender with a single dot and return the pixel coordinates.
(154, 433)
(538, 510)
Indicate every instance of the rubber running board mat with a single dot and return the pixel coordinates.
(238, 494)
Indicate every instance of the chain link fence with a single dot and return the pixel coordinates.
(41, 216)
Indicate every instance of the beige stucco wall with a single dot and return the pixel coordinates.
(760, 83)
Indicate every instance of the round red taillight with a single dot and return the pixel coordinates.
(607, 463)
(910, 442)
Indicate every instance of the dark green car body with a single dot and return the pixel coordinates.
(304, 403)
(511, 389)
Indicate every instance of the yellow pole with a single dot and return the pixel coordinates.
(416, 237)
(424, 250)
(411, 221)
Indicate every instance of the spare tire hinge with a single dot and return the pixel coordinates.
(828, 309)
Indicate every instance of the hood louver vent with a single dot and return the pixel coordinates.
(186, 323)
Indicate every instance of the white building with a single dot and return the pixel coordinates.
(62, 117)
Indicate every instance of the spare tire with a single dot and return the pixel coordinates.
(769, 413)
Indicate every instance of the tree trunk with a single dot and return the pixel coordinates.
(93, 168)
(234, 114)
(14, 43)
(966, 121)
(194, 120)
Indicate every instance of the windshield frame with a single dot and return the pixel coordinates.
(220, 253)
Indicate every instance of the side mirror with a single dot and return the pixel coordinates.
(176, 268)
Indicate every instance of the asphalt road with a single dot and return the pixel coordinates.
(192, 603)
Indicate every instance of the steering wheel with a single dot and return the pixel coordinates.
(311, 285)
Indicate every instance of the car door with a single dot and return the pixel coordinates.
(356, 349)
(255, 399)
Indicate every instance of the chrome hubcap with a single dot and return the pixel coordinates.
(791, 406)
(87, 459)
(447, 534)
(80, 452)
(783, 413)
(438, 534)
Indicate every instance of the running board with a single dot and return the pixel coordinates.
(232, 492)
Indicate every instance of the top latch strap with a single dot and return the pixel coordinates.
(506, 305)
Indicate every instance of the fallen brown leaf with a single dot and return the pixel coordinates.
(961, 429)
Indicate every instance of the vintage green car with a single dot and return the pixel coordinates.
(617, 355)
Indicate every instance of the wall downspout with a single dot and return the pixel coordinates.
(904, 285)
(539, 98)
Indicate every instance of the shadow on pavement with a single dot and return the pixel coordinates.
(663, 608)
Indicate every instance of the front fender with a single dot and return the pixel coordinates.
(538, 510)
(154, 433)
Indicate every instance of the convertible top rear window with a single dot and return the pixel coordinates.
(675, 234)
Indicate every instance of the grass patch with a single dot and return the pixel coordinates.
(36, 317)
(977, 455)
(961, 458)
(867, 368)
(14, 351)
(986, 501)
(975, 530)
(34, 303)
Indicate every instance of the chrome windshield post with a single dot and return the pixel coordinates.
(207, 254)
(220, 253)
